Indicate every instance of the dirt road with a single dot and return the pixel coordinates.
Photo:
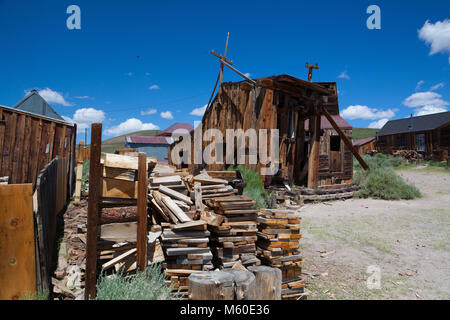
(409, 241)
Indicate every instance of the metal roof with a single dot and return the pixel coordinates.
(175, 126)
(34, 103)
(415, 124)
(361, 142)
(148, 140)
(325, 124)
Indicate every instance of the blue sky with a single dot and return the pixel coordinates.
(145, 64)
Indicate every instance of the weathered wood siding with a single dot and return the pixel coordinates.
(28, 142)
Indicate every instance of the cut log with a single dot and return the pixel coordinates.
(215, 285)
(244, 282)
(267, 283)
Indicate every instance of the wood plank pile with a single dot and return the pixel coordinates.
(233, 240)
(279, 246)
(186, 251)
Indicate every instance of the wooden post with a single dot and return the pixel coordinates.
(141, 238)
(93, 212)
(313, 159)
(79, 174)
(347, 142)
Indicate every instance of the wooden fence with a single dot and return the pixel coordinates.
(28, 142)
(27, 245)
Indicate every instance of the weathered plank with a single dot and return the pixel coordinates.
(17, 256)
(141, 257)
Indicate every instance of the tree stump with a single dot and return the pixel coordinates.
(213, 285)
(244, 281)
(267, 283)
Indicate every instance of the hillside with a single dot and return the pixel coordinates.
(362, 133)
(111, 145)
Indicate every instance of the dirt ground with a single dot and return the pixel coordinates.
(409, 241)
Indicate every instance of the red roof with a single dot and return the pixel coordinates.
(361, 142)
(175, 126)
(147, 140)
(325, 124)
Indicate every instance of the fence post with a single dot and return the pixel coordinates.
(93, 212)
(141, 238)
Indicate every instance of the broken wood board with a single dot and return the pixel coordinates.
(119, 232)
(175, 195)
(175, 209)
(112, 188)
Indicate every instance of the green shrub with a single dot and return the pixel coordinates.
(254, 187)
(147, 285)
(384, 183)
(38, 295)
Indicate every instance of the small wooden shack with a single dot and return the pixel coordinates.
(288, 104)
(429, 135)
(363, 146)
(29, 141)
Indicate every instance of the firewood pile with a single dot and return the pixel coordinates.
(410, 155)
(279, 247)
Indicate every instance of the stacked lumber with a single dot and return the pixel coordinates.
(233, 237)
(279, 247)
(215, 184)
(186, 251)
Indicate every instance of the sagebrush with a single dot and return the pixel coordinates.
(146, 285)
(381, 181)
(254, 187)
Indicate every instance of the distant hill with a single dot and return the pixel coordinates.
(118, 142)
(362, 133)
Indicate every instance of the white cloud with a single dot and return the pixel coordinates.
(199, 111)
(154, 87)
(84, 117)
(364, 112)
(130, 125)
(167, 115)
(437, 35)
(344, 75)
(438, 86)
(419, 84)
(378, 124)
(426, 103)
(429, 110)
(247, 74)
(53, 97)
(148, 112)
(83, 97)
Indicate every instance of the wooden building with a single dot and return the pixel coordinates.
(31, 135)
(429, 135)
(363, 146)
(285, 103)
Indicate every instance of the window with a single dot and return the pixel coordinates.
(335, 143)
(420, 141)
(401, 141)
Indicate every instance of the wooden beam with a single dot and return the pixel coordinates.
(313, 159)
(93, 212)
(347, 142)
(141, 243)
(220, 57)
